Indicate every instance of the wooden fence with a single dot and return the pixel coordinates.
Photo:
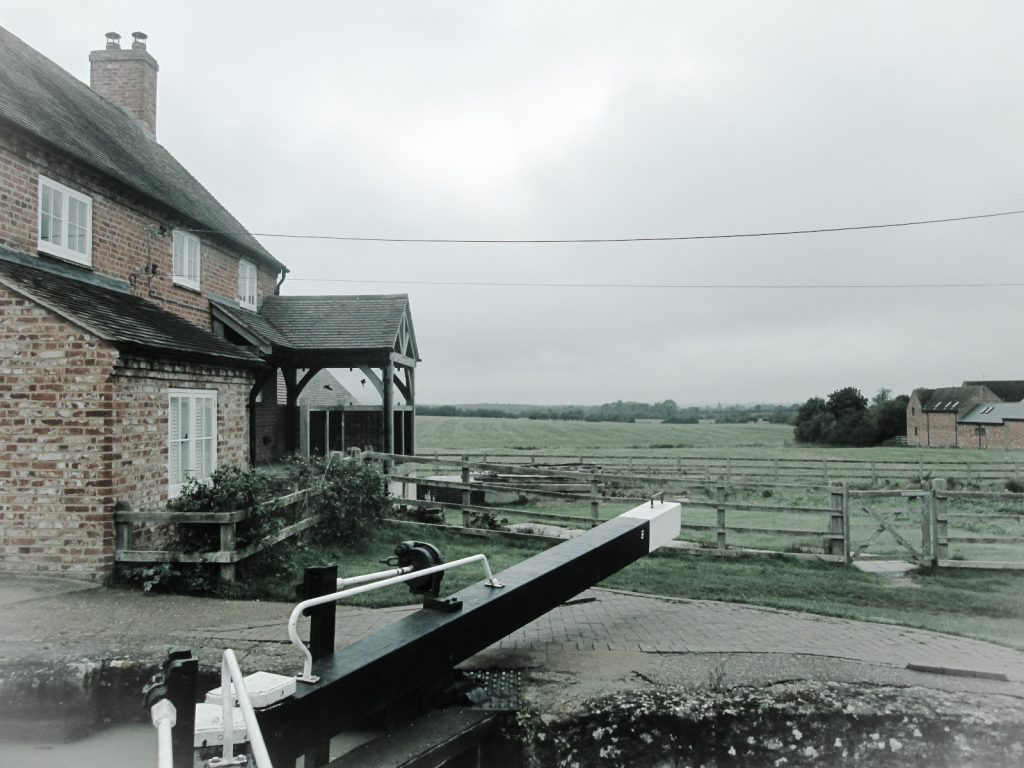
(228, 555)
(827, 521)
(703, 468)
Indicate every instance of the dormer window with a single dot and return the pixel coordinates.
(246, 284)
(65, 222)
(186, 259)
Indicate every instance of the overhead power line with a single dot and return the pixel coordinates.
(676, 286)
(590, 240)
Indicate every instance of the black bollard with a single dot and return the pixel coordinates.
(181, 675)
(320, 580)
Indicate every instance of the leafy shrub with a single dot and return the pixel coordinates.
(229, 489)
(353, 494)
(487, 520)
(1014, 486)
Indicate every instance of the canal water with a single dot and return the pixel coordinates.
(113, 747)
(117, 746)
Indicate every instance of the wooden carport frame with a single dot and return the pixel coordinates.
(386, 368)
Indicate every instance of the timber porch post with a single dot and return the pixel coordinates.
(389, 405)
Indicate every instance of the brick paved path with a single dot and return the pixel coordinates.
(619, 621)
(608, 620)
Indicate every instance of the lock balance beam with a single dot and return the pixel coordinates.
(366, 676)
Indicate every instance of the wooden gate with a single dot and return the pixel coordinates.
(925, 507)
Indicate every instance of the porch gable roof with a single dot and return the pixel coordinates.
(338, 330)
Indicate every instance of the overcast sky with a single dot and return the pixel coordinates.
(541, 120)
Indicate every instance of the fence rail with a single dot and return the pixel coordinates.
(729, 517)
(229, 554)
(762, 470)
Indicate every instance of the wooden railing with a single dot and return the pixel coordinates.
(725, 517)
(228, 555)
(594, 492)
(707, 468)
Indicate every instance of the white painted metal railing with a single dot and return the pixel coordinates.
(165, 716)
(342, 583)
(231, 673)
(379, 581)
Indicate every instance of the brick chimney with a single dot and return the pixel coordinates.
(127, 77)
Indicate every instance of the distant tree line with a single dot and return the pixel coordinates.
(847, 418)
(624, 411)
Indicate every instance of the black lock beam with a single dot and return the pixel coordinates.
(368, 675)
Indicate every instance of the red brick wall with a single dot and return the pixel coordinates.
(56, 493)
(942, 429)
(139, 451)
(271, 429)
(1008, 435)
(126, 231)
(127, 78)
(82, 428)
(917, 424)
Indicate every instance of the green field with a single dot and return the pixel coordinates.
(452, 434)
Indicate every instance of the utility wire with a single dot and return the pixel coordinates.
(557, 241)
(675, 286)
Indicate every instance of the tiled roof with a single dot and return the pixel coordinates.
(126, 321)
(951, 398)
(336, 322)
(325, 390)
(41, 99)
(1007, 391)
(994, 413)
(249, 322)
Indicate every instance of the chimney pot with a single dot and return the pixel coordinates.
(113, 41)
(139, 41)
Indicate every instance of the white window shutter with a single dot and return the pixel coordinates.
(174, 441)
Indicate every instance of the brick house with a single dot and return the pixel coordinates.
(977, 414)
(122, 281)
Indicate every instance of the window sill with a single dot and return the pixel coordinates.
(188, 287)
(64, 259)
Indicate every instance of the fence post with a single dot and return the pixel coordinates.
(595, 499)
(824, 470)
(123, 536)
(776, 462)
(940, 521)
(720, 534)
(467, 498)
(227, 544)
(969, 478)
(927, 526)
(728, 470)
(874, 475)
(838, 537)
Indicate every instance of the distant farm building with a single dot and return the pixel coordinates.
(977, 414)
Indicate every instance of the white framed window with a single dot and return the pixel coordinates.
(65, 222)
(191, 436)
(246, 284)
(187, 256)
